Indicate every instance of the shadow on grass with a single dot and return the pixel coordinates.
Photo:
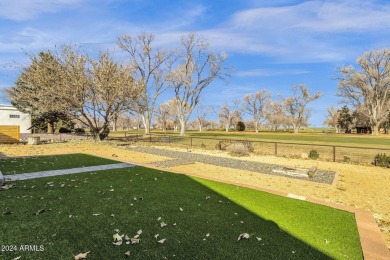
(201, 223)
(17, 165)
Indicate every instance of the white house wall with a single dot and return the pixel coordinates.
(9, 115)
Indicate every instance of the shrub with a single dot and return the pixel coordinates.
(79, 131)
(347, 159)
(240, 126)
(382, 160)
(64, 130)
(313, 154)
(243, 148)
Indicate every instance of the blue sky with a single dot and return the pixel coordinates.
(271, 44)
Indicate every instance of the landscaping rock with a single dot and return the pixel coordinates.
(180, 158)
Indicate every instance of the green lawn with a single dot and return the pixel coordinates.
(45, 163)
(315, 137)
(204, 219)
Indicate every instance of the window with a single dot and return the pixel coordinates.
(14, 116)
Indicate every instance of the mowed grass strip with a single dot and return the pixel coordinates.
(204, 219)
(361, 140)
(52, 162)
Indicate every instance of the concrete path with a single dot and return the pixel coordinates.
(33, 175)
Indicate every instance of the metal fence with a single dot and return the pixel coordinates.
(347, 154)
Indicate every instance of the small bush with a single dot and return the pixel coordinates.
(239, 149)
(382, 160)
(347, 159)
(79, 131)
(64, 130)
(313, 154)
(240, 126)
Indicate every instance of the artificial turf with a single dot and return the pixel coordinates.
(18, 165)
(204, 219)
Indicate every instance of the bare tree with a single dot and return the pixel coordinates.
(173, 117)
(257, 106)
(296, 106)
(163, 112)
(152, 67)
(201, 113)
(227, 116)
(277, 116)
(369, 86)
(197, 69)
(332, 118)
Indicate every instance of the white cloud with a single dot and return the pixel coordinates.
(320, 16)
(269, 72)
(29, 9)
(312, 31)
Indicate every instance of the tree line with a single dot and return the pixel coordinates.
(259, 107)
(68, 85)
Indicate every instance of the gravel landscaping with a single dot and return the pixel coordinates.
(322, 176)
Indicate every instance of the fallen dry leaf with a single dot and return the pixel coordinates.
(162, 241)
(40, 211)
(139, 232)
(134, 241)
(243, 236)
(163, 224)
(81, 256)
(156, 236)
(96, 214)
(117, 237)
(127, 254)
(118, 243)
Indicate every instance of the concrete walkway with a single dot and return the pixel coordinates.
(34, 175)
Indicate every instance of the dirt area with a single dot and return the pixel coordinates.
(358, 186)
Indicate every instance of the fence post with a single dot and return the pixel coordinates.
(150, 138)
(334, 153)
(169, 139)
(191, 143)
(276, 149)
(125, 135)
